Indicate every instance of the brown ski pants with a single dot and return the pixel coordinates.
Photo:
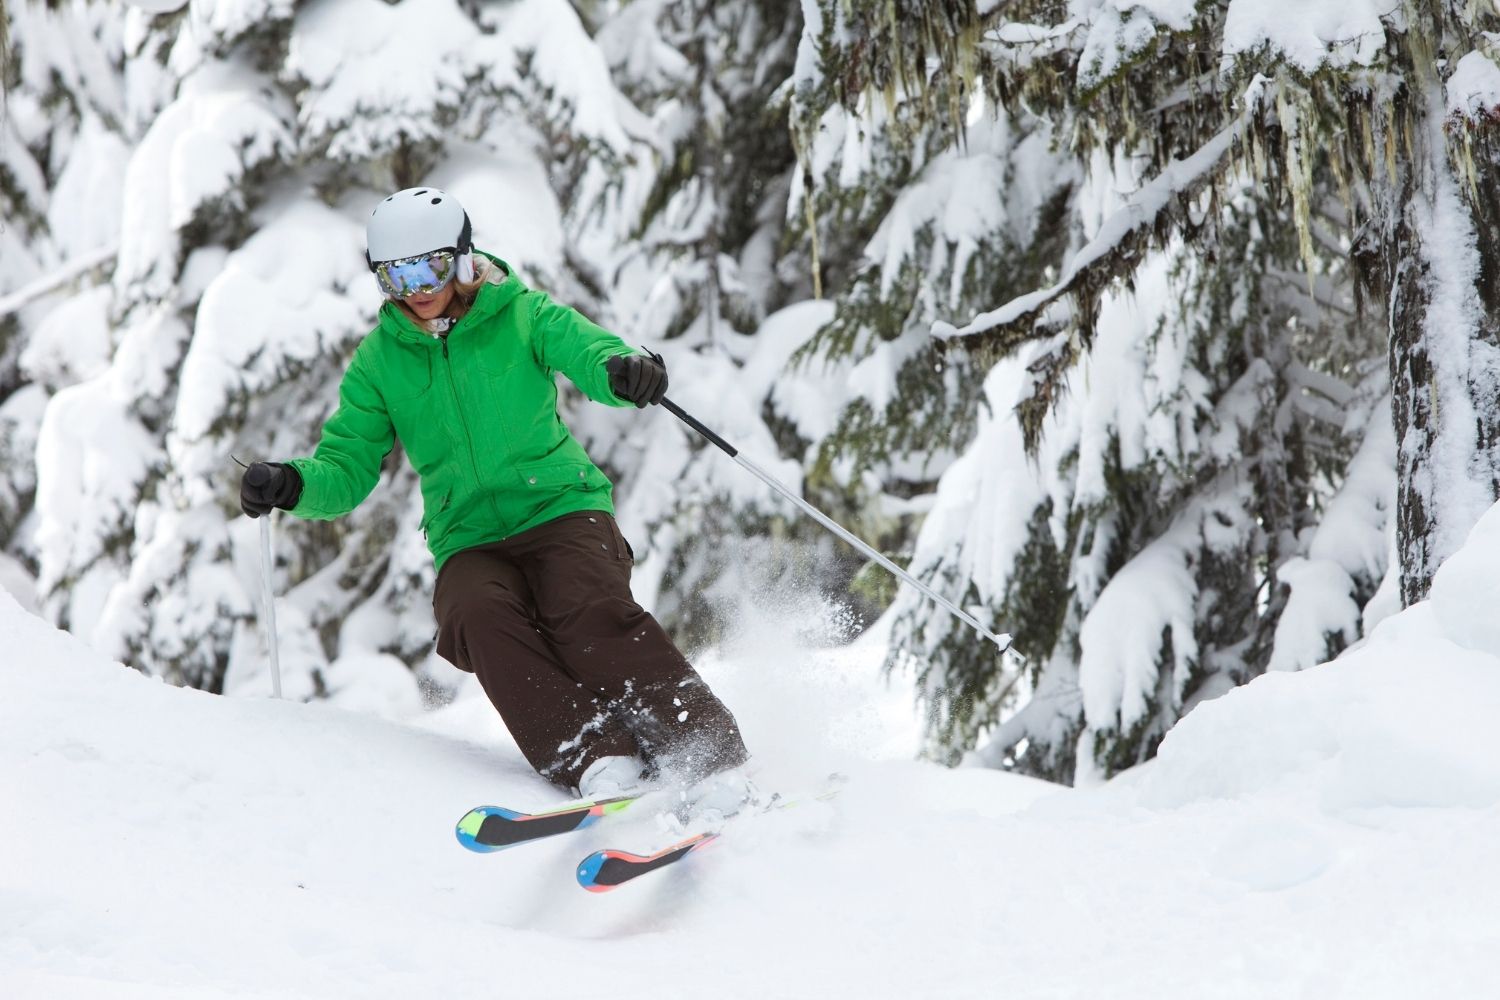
(576, 668)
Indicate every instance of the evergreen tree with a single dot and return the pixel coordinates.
(922, 207)
(60, 137)
(704, 278)
(249, 141)
(1206, 426)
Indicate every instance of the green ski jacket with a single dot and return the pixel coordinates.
(476, 411)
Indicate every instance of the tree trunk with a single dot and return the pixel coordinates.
(1443, 346)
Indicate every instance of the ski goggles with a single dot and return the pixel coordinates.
(419, 275)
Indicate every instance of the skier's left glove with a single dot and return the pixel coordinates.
(269, 484)
(638, 378)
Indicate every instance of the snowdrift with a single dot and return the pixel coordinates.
(1323, 834)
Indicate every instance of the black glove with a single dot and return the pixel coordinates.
(269, 484)
(637, 378)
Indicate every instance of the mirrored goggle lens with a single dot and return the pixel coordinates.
(415, 275)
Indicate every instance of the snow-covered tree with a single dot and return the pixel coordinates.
(1156, 332)
(921, 207)
(1186, 472)
(234, 151)
(60, 147)
(711, 262)
(249, 140)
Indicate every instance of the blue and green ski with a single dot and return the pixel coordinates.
(494, 828)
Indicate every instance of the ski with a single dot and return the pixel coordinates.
(610, 869)
(493, 828)
(606, 870)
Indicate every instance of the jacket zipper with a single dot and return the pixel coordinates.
(468, 434)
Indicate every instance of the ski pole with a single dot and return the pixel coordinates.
(258, 474)
(270, 597)
(1002, 640)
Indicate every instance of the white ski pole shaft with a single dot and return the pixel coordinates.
(1002, 640)
(270, 599)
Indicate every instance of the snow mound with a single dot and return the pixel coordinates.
(1379, 728)
(1405, 721)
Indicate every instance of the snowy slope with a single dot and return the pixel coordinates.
(1324, 834)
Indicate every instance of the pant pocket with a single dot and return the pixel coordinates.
(623, 551)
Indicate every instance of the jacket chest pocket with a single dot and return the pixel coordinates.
(422, 425)
(408, 380)
(519, 386)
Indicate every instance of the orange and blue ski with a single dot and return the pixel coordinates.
(606, 870)
(609, 869)
(494, 828)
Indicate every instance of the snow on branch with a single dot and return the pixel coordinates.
(1117, 240)
(1346, 556)
(56, 278)
(1473, 90)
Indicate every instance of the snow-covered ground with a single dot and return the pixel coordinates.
(1330, 833)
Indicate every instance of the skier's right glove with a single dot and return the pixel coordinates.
(269, 484)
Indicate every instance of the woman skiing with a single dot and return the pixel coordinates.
(533, 585)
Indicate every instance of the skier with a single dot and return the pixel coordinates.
(533, 585)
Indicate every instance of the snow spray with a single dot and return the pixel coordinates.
(1002, 640)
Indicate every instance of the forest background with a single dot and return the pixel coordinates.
(1161, 334)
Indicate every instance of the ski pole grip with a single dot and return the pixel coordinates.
(692, 422)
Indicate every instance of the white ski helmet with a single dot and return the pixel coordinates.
(419, 220)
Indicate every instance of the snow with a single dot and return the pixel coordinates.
(72, 343)
(515, 212)
(219, 22)
(1352, 541)
(1473, 89)
(164, 842)
(573, 71)
(1461, 587)
(981, 507)
(1138, 212)
(196, 150)
(84, 212)
(800, 393)
(1309, 34)
(1114, 39)
(1456, 489)
(956, 197)
(158, 6)
(379, 76)
(1145, 605)
(92, 457)
(1326, 830)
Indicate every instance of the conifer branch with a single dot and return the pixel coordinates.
(1113, 251)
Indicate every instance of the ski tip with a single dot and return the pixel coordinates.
(588, 872)
(606, 870)
(468, 827)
